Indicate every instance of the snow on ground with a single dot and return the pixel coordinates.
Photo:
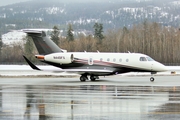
(14, 67)
(25, 70)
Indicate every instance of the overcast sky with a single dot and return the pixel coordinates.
(7, 2)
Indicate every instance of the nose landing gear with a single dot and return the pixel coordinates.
(152, 79)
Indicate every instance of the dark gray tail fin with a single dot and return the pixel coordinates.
(42, 42)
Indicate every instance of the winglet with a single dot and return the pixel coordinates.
(31, 64)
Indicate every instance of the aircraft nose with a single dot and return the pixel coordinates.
(159, 67)
(163, 68)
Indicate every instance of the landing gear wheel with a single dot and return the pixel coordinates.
(93, 78)
(152, 79)
(83, 78)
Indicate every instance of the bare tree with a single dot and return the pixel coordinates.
(1, 45)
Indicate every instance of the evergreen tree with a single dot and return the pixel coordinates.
(70, 35)
(55, 35)
(98, 31)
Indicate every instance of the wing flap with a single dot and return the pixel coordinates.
(83, 71)
(87, 70)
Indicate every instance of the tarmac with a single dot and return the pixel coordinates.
(30, 95)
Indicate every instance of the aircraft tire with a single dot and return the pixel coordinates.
(152, 79)
(83, 78)
(93, 78)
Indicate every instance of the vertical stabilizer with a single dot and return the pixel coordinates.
(42, 42)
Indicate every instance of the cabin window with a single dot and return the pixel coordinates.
(143, 59)
(149, 59)
(114, 60)
(120, 60)
(101, 59)
(90, 60)
(127, 60)
(108, 59)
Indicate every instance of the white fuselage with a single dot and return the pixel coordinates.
(127, 60)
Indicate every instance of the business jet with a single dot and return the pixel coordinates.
(90, 64)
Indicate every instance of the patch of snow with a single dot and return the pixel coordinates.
(3, 16)
(176, 2)
(164, 14)
(25, 70)
(54, 10)
(13, 37)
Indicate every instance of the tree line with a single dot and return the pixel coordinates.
(36, 14)
(160, 42)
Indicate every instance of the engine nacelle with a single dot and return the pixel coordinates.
(61, 58)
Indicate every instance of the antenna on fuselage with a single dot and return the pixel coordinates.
(129, 52)
(98, 51)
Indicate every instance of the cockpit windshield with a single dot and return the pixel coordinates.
(149, 59)
(146, 59)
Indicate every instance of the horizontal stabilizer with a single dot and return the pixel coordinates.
(31, 64)
(32, 31)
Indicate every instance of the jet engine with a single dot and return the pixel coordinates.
(61, 58)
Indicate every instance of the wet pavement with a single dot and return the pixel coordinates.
(45, 100)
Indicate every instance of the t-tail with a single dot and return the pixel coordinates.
(42, 42)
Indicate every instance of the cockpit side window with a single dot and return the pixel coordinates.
(143, 59)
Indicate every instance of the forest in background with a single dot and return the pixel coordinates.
(83, 15)
(160, 42)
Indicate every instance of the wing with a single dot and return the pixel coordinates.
(83, 71)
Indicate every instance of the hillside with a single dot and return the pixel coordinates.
(83, 15)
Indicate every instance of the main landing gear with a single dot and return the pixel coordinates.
(83, 78)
